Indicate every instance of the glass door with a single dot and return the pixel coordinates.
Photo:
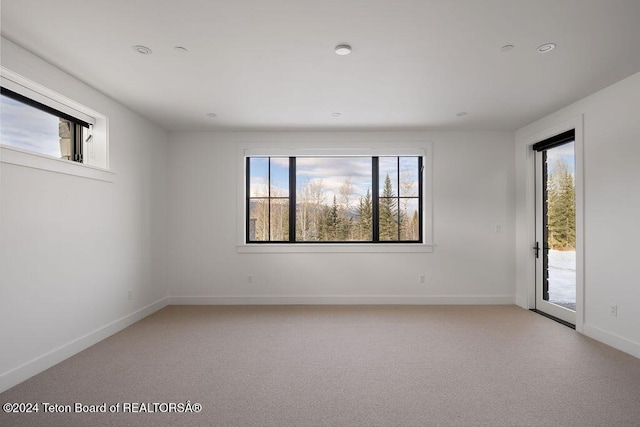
(555, 248)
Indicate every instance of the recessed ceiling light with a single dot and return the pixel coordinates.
(507, 48)
(212, 115)
(343, 49)
(547, 47)
(143, 50)
(336, 114)
(462, 114)
(180, 49)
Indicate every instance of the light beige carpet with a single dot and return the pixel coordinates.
(343, 366)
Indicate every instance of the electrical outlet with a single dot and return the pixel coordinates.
(613, 310)
(421, 279)
(130, 294)
(249, 278)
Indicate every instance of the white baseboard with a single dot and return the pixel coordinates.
(341, 300)
(615, 341)
(53, 357)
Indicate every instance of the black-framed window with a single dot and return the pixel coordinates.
(30, 125)
(334, 199)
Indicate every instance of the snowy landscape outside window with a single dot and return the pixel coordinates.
(334, 199)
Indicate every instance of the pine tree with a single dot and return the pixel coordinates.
(365, 228)
(322, 222)
(388, 212)
(330, 222)
(561, 208)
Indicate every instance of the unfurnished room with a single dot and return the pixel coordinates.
(329, 213)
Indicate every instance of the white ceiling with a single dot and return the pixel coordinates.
(270, 64)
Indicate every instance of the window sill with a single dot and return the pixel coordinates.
(334, 248)
(16, 156)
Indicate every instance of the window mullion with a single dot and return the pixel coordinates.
(420, 207)
(375, 172)
(269, 200)
(398, 195)
(77, 150)
(248, 200)
(292, 199)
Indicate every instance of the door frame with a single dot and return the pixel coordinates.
(575, 123)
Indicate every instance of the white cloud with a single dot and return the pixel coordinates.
(333, 172)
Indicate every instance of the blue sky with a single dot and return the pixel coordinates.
(28, 128)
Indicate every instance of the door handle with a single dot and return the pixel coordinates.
(536, 248)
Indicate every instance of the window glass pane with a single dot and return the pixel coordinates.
(29, 128)
(409, 219)
(409, 176)
(333, 198)
(388, 172)
(259, 180)
(279, 176)
(279, 220)
(258, 220)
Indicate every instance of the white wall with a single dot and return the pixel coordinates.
(611, 136)
(72, 247)
(471, 263)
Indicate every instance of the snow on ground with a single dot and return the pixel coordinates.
(562, 277)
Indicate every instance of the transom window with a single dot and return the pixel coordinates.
(30, 125)
(316, 199)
